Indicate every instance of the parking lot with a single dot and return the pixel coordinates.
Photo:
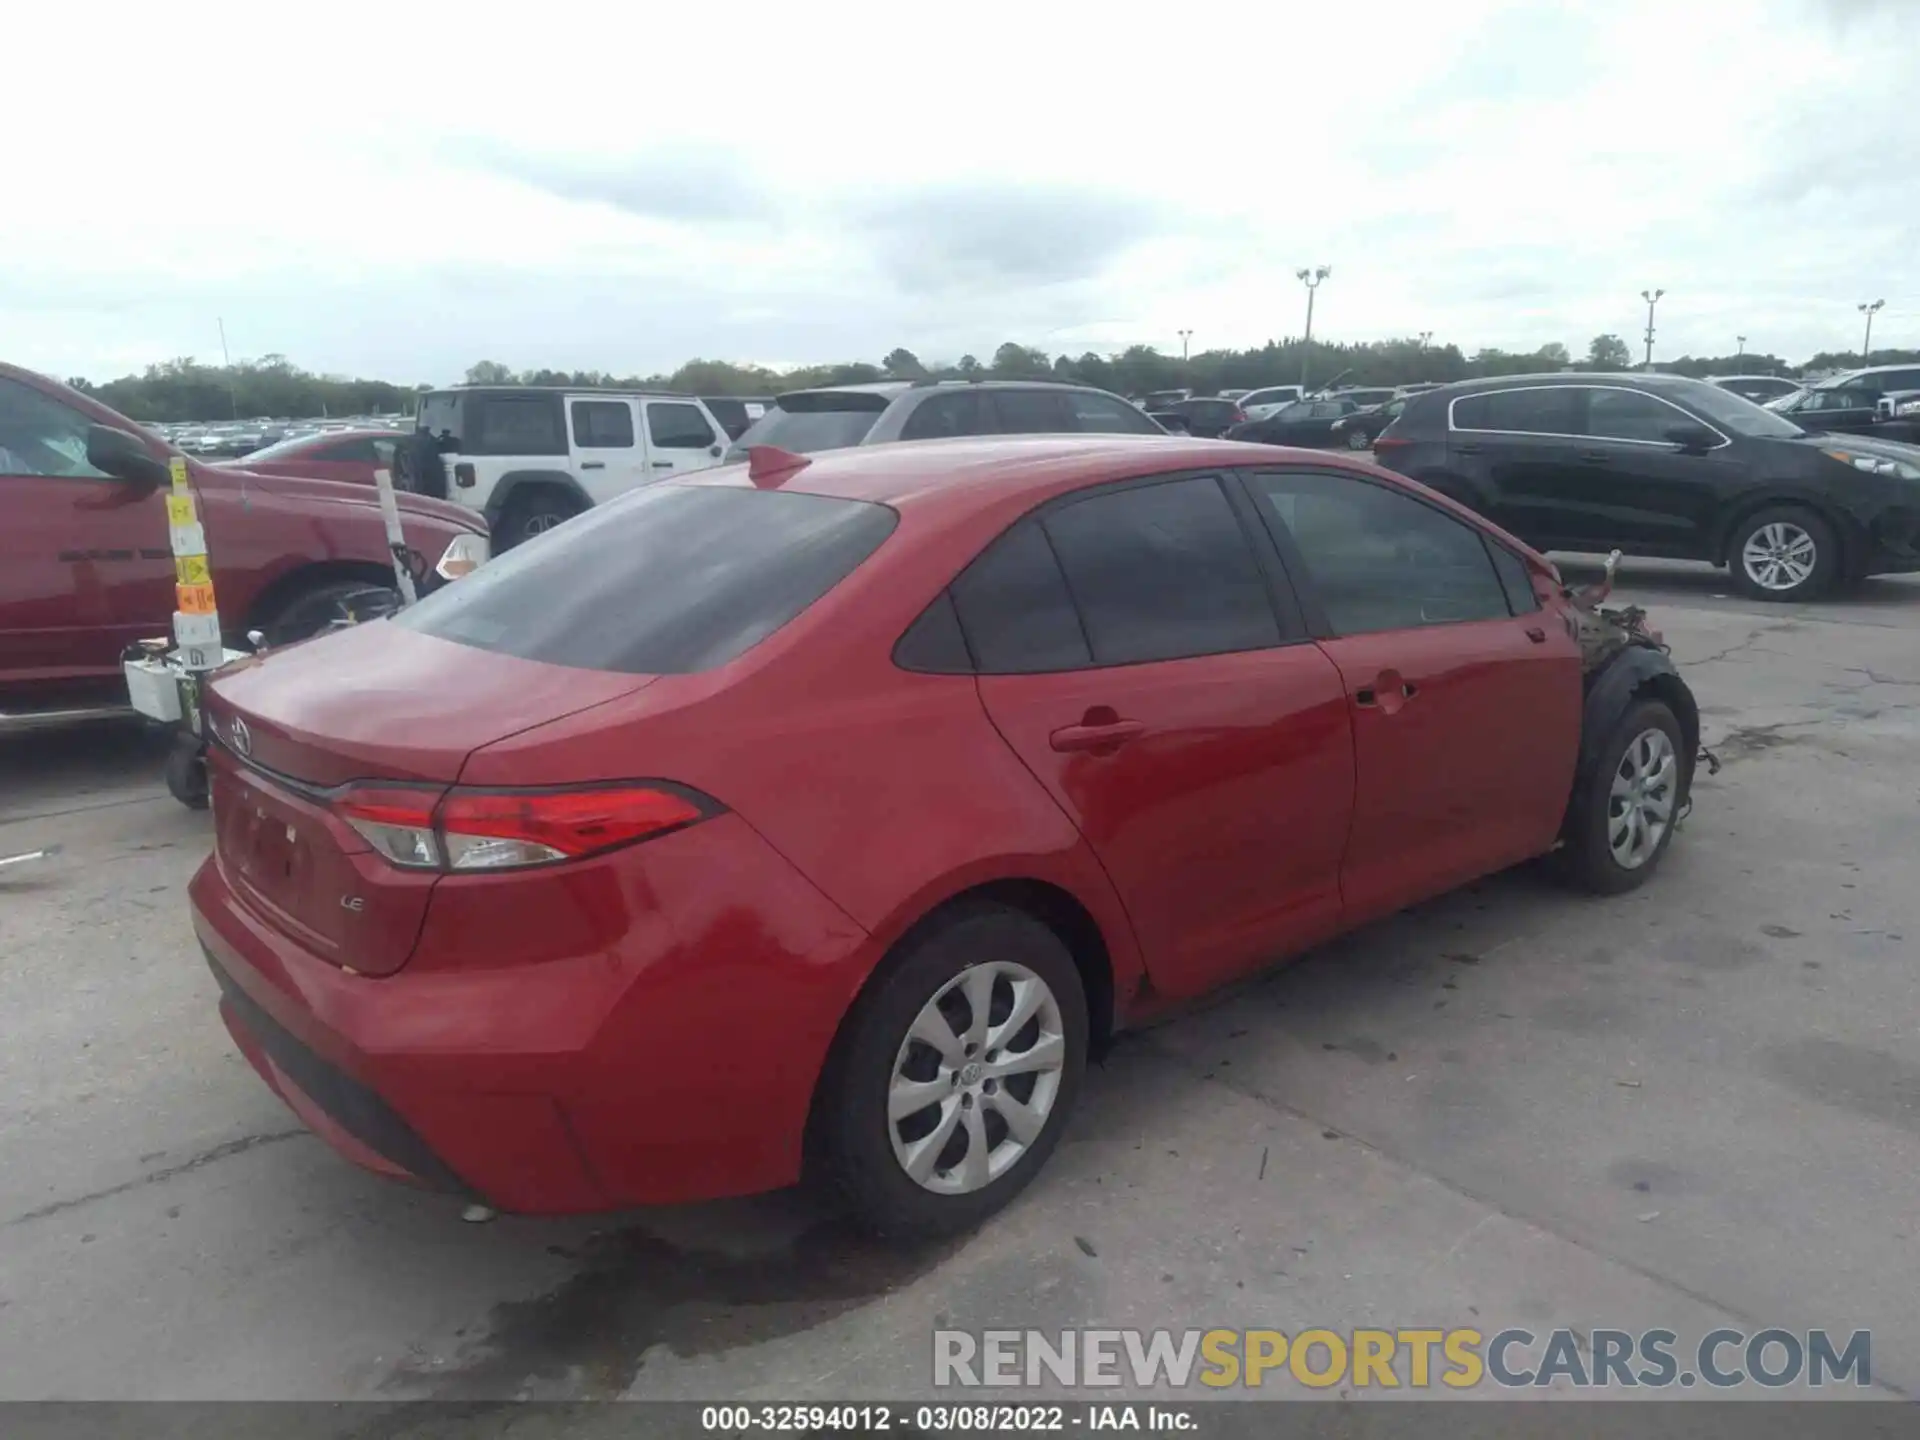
(1697, 1104)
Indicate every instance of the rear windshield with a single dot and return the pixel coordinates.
(817, 427)
(666, 580)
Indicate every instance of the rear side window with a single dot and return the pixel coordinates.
(668, 579)
(673, 425)
(1015, 610)
(603, 424)
(1095, 414)
(1030, 412)
(518, 425)
(1380, 560)
(1540, 411)
(942, 417)
(1162, 571)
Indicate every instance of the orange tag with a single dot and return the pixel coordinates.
(195, 599)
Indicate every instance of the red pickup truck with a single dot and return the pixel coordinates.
(86, 568)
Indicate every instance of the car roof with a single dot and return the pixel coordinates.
(1656, 382)
(905, 387)
(963, 473)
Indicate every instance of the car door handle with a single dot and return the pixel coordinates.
(1537, 634)
(1595, 457)
(1095, 737)
(1368, 696)
(1465, 449)
(593, 464)
(663, 464)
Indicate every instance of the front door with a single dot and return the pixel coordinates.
(1635, 488)
(1134, 657)
(679, 438)
(86, 568)
(1464, 699)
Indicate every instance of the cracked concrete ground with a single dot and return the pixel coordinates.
(1695, 1105)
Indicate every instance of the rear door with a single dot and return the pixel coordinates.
(86, 567)
(680, 438)
(1137, 655)
(604, 433)
(1520, 448)
(1464, 698)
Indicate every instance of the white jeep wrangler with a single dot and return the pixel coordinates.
(528, 457)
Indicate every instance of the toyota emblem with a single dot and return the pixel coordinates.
(242, 739)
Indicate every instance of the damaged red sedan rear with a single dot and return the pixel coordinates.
(827, 815)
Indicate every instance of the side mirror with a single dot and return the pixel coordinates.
(1692, 439)
(124, 457)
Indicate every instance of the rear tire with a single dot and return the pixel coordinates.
(1784, 553)
(186, 772)
(1623, 820)
(531, 513)
(868, 1126)
(1359, 440)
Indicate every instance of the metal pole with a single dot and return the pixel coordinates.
(1652, 297)
(1185, 335)
(1866, 345)
(1741, 341)
(1311, 279)
(226, 360)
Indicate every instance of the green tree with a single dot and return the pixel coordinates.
(903, 364)
(968, 366)
(1609, 352)
(489, 372)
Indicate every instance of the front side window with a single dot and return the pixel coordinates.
(1162, 571)
(672, 425)
(1378, 559)
(40, 436)
(1630, 415)
(603, 424)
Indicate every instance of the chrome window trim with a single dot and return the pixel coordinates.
(1667, 445)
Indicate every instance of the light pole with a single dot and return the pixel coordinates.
(1425, 336)
(226, 361)
(1866, 345)
(1652, 297)
(1185, 335)
(1311, 279)
(1741, 341)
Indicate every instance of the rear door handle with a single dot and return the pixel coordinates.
(1368, 696)
(1095, 737)
(593, 464)
(1465, 449)
(1537, 634)
(1595, 457)
(663, 464)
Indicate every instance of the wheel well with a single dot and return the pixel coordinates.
(305, 577)
(1053, 907)
(1671, 691)
(1730, 527)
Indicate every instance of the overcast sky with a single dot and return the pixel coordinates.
(399, 190)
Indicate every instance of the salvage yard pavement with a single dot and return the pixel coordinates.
(1694, 1105)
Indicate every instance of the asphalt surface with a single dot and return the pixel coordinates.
(1696, 1105)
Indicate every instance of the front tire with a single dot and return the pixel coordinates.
(1623, 820)
(1359, 440)
(956, 1076)
(533, 513)
(1784, 553)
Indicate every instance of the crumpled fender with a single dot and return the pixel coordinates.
(1640, 671)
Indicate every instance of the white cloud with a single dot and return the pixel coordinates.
(400, 191)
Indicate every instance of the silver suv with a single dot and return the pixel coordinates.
(829, 418)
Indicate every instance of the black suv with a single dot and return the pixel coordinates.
(1661, 465)
(804, 421)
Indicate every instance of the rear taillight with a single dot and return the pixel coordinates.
(1389, 442)
(461, 830)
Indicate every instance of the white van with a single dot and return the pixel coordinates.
(1269, 400)
(529, 457)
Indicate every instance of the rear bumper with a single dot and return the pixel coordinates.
(666, 1058)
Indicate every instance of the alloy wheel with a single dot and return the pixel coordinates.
(975, 1080)
(1640, 801)
(1779, 556)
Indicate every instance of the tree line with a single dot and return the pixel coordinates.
(187, 390)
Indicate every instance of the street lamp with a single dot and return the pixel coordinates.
(1866, 345)
(1741, 341)
(1311, 279)
(1185, 335)
(1425, 336)
(1652, 297)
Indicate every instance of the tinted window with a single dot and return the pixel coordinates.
(1515, 579)
(1015, 610)
(806, 431)
(1380, 560)
(944, 416)
(358, 451)
(675, 426)
(934, 643)
(519, 425)
(1094, 413)
(1896, 380)
(732, 414)
(1629, 415)
(1030, 412)
(40, 436)
(1269, 397)
(1161, 571)
(1549, 411)
(1299, 410)
(1331, 409)
(440, 415)
(667, 579)
(603, 424)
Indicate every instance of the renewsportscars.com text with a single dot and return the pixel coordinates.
(1418, 1359)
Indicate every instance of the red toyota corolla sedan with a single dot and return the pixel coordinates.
(826, 814)
(327, 455)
